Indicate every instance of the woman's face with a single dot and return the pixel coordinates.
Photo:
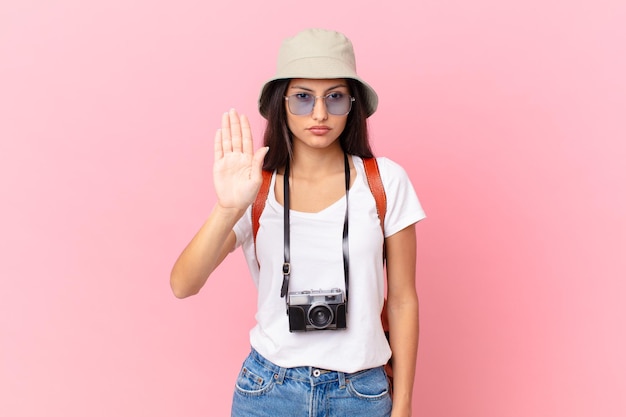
(316, 126)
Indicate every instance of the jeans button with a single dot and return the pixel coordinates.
(316, 373)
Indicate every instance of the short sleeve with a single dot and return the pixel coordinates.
(403, 205)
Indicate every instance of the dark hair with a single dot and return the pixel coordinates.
(354, 139)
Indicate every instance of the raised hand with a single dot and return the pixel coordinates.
(237, 168)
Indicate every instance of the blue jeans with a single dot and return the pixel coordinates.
(264, 389)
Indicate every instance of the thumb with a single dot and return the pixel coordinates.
(257, 163)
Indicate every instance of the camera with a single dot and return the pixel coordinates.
(316, 310)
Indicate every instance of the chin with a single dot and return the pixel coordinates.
(318, 141)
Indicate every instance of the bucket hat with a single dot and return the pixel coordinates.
(318, 54)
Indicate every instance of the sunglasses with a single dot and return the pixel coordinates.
(337, 104)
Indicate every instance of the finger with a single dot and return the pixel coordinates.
(218, 152)
(257, 163)
(226, 141)
(235, 130)
(246, 135)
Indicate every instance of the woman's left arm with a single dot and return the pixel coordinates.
(403, 313)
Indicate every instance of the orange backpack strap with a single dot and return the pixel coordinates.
(373, 180)
(378, 190)
(376, 187)
(259, 202)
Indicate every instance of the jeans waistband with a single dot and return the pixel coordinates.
(303, 373)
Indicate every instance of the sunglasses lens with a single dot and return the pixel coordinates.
(300, 104)
(336, 104)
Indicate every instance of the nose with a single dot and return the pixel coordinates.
(319, 109)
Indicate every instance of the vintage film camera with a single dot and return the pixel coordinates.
(316, 310)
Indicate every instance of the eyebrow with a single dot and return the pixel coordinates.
(309, 89)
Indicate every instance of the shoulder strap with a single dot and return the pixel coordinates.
(259, 202)
(373, 180)
(378, 190)
(376, 187)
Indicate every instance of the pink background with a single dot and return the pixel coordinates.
(508, 115)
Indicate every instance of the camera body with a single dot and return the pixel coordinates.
(316, 310)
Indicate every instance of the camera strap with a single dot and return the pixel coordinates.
(345, 246)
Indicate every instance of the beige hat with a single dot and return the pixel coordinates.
(318, 54)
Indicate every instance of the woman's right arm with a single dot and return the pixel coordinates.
(237, 178)
(205, 252)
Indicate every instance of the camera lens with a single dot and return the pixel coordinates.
(320, 316)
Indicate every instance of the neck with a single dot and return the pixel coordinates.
(317, 162)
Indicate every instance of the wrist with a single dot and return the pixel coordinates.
(228, 212)
(401, 409)
(402, 401)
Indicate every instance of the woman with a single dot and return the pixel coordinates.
(318, 347)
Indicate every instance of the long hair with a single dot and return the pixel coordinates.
(354, 139)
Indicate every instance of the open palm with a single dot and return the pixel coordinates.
(236, 168)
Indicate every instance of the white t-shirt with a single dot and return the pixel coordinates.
(317, 263)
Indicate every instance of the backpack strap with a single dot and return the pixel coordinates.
(373, 180)
(378, 190)
(259, 202)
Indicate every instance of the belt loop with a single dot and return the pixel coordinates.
(342, 380)
(280, 376)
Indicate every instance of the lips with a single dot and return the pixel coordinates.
(319, 130)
